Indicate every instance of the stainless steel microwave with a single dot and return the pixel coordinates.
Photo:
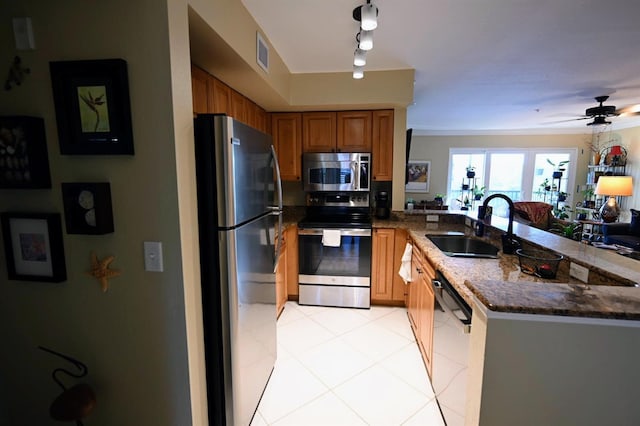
(336, 171)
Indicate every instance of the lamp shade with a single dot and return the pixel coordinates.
(369, 17)
(616, 150)
(615, 185)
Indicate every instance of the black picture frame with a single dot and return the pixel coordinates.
(87, 208)
(92, 105)
(24, 161)
(33, 246)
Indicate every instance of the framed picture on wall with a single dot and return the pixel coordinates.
(24, 162)
(93, 112)
(33, 246)
(418, 176)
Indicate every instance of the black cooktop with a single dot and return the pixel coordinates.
(337, 220)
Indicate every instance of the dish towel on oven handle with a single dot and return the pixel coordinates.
(331, 237)
(405, 264)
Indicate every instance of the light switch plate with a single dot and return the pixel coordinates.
(579, 272)
(153, 256)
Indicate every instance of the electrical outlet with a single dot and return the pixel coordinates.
(467, 221)
(579, 272)
(432, 218)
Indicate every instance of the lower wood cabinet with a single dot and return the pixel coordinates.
(387, 287)
(287, 271)
(421, 305)
(291, 235)
(281, 280)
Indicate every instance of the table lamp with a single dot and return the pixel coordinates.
(613, 186)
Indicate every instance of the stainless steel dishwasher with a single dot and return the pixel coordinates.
(451, 336)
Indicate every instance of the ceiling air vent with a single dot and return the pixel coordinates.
(262, 52)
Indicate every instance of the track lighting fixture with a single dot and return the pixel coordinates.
(365, 40)
(360, 57)
(367, 15)
(358, 72)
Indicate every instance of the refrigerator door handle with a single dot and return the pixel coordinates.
(277, 210)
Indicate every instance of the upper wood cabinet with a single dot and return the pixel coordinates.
(239, 106)
(319, 131)
(199, 90)
(354, 131)
(212, 96)
(221, 95)
(382, 145)
(286, 129)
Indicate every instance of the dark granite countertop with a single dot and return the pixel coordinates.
(501, 286)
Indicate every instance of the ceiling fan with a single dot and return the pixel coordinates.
(600, 113)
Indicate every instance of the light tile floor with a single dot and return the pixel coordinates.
(340, 366)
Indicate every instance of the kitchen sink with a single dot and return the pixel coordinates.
(463, 246)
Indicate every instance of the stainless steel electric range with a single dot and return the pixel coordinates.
(334, 243)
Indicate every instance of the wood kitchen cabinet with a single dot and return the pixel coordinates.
(281, 278)
(291, 235)
(382, 265)
(199, 89)
(382, 145)
(400, 289)
(387, 287)
(212, 96)
(319, 131)
(421, 305)
(286, 129)
(354, 131)
(287, 270)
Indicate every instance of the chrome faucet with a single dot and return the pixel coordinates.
(509, 241)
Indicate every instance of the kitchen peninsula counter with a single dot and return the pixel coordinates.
(500, 285)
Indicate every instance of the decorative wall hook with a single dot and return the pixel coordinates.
(16, 74)
(76, 402)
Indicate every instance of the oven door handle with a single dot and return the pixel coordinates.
(343, 232)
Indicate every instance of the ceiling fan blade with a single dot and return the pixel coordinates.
(566, 121)
(628, 110)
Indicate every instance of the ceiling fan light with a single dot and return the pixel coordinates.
(358, 72)
(365, 40)
(369, 17)
(360, 57)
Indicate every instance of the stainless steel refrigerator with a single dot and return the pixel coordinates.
(239, 216)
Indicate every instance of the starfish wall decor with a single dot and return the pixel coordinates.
(100, 270)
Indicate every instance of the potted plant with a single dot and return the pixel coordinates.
(471, 172)
(478, 193)
(572, 231)
(465, 186)
(559, 168)
(439, 198)
(545, 185)
(464, 203)
(562, 196)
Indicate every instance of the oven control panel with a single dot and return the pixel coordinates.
(338, 199)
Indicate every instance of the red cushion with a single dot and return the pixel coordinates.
(535, 211)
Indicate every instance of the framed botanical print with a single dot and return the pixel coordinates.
(33, 246)
(93, 112)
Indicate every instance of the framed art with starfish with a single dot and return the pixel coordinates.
(93, 111)
(33, 246)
